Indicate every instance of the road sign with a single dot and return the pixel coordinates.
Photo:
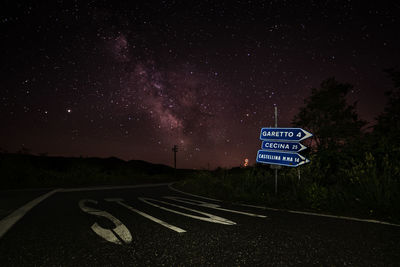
(284, 134)
(281, 158)
(283, 146)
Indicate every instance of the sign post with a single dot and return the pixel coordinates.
(281, 158)
(276, 169)
(280, 147)
(284, 134)
(284, 146)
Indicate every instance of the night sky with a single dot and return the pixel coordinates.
(131, 79)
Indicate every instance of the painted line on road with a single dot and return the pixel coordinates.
(254, 206)
(209, 217)
(341, 217)
(169, 226)
(295, 211)
(26, 189)
(211, 206)
(118, 235)
(193, 195)
(7, 222)
(13, 218)
(111, 187)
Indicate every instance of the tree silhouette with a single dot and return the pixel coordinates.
(387, 130)
(334, 124)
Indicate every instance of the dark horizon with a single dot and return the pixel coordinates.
(130, 80)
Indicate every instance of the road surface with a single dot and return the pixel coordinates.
(158, 226)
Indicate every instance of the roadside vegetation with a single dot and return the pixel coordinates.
(354, 169)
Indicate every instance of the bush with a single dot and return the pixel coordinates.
(370, 188)
(376, 184)
(317, 197)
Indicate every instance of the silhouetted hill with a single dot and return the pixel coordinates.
(24, 170)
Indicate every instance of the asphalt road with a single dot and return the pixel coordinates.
(140, 227)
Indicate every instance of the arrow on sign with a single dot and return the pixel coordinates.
(284, 134)
(281, 158)
(283, 146)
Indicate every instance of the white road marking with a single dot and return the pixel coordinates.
(209, 217)
(170, 226)
(252, 206)
(26, 189)
(294, 211)
(111, 187)
(193, 195)
(341, 217)
(116, 235)
(10, 220)
(212, 206)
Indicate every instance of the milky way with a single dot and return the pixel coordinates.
(130, 79)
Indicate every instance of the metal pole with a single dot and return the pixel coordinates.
(276, 170)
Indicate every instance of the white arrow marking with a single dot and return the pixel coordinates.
(209, 217)
(212, 206)
(169, 226)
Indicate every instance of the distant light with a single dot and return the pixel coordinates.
(69, 110)
(246, 163)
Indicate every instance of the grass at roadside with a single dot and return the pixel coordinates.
(255, 185)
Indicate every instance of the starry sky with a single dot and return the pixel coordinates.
(130, 79)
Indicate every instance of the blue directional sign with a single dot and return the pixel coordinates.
(281, 158)
(283, 146)
(284, 134)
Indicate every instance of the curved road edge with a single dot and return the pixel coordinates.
(14, 217)
(170, 185)
(9, 221)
